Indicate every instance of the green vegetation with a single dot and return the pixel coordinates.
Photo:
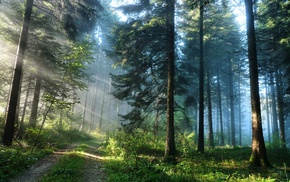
(14, 160)
(67, 169)
(55, 138)
(138, 158)
(71, 166)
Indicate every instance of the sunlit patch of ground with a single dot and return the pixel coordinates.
(83, 153)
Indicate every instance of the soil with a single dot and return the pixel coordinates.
(36, 171)
(93, 169)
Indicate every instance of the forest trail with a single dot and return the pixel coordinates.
(93, 169)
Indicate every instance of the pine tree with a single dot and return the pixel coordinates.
(140, 45)
(16, 82)
(259, 155)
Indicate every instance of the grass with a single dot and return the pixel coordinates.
(67, 169)
(223, 164)
(70, 167)
(15, 160)
(140, 158)
(219, 164)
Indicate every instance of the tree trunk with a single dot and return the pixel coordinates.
(232, 106)
(196, 124)
(16, 82)
(228, 124)
(156, 121)
(93, 110)
(200, 146)
(258, 157)
(34, 109)
(240, 108)
(102, 109)
(217, 130)
(280, 108)
(210, 129)
(60, 123)
(16, 121)
(108, 101)
(82, 124)
(274, 108)
(220, 108)
(170, 141)
(21, 126)
(267, 110)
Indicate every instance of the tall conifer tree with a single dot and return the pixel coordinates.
(258, 156)
(16, 81)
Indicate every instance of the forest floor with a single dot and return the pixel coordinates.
(92, 171)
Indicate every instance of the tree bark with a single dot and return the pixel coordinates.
(240, 108)
(170, 141)
(228, 119)
(274, 108)
(93, 110)
(220, 108)
(232, 106)
(281, 112)
(34, 109)
(210, 128)
(21, 126)
(82, 124)
(267, 110)
(200, 146)
(16, 121)
(102, 108)
(258, 157)
(60, 122)
(16, 81)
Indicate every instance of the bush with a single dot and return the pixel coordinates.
(138, 142)
(185, 143)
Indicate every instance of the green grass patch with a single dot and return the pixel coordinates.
(15, 160)
(223, 164)
(68, 168)
(136, 157)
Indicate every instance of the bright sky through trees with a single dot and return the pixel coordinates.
(238, 10)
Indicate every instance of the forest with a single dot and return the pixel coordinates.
(144, 90)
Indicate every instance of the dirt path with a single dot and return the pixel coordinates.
(37, 170)
(93, 170)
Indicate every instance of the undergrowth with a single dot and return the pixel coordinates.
(55, 138)
(15, 159)
(137, 157)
